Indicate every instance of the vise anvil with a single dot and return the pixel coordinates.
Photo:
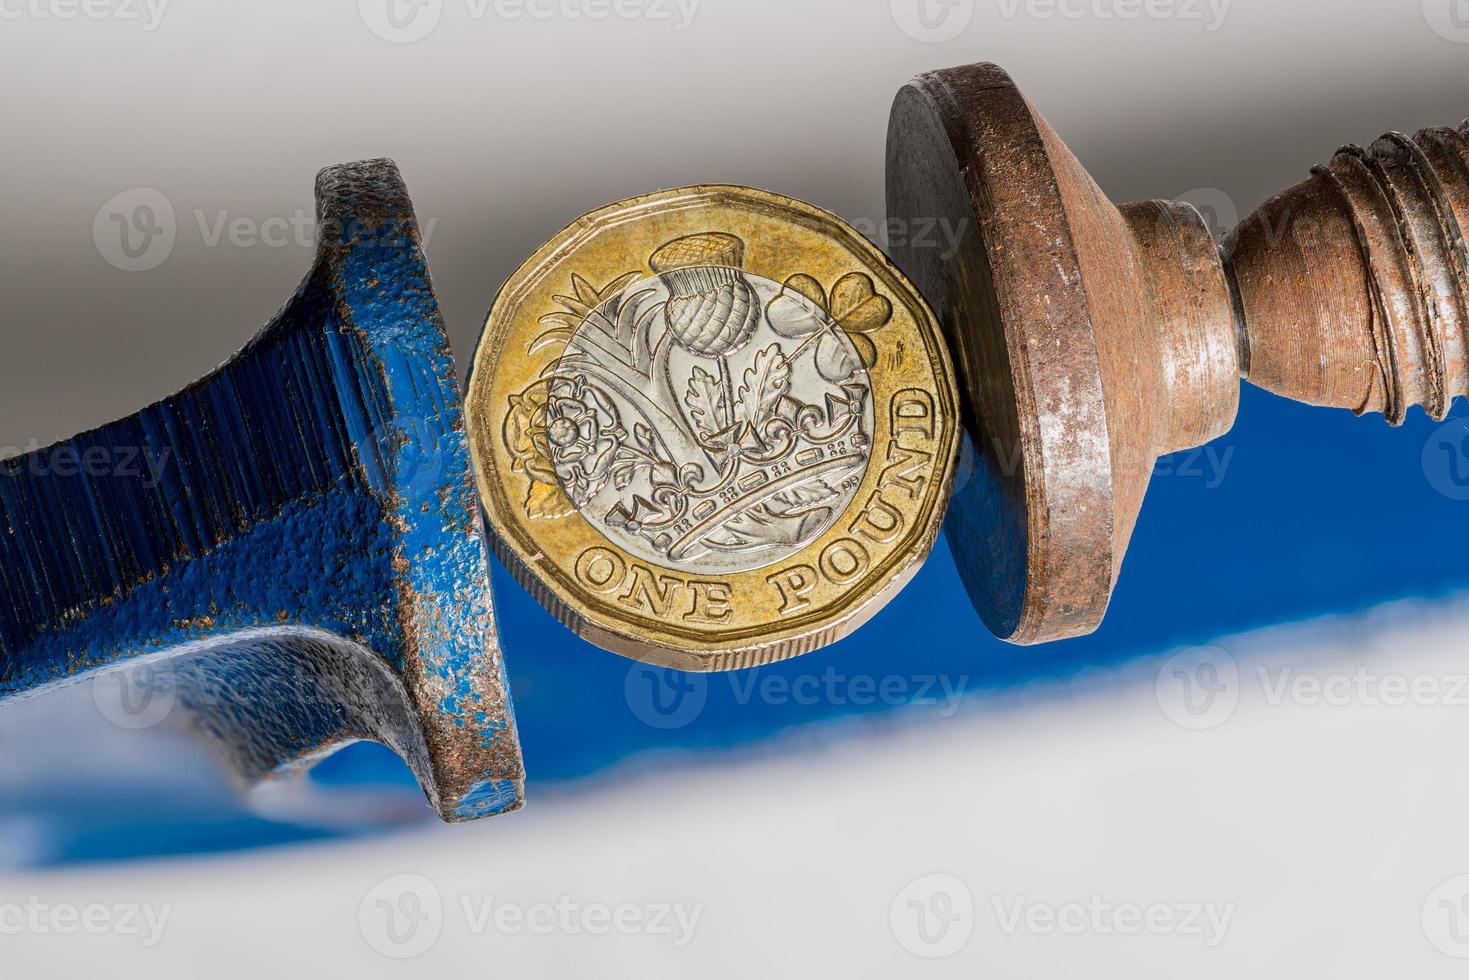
(1094, 338)
(294, 541)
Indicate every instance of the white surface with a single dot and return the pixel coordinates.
(1314, 828)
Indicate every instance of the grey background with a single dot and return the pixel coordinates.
(507, 127)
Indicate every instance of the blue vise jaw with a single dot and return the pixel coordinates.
(290, 550)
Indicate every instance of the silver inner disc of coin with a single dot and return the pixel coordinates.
(710, 421)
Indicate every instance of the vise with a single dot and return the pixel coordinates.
(293, 542)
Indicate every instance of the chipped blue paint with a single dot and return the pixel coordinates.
(305, 514)
(489, 798)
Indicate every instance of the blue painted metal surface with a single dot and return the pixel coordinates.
(294, 542)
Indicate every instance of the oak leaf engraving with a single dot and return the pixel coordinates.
(706, 402)
(764, 382)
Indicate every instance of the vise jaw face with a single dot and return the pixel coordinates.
(296, 547)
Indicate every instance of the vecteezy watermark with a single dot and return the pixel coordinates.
(146, 14)
(406, 21)
(137, 696)
(1198, 688)
(34, 917)
(414, 454)
(1209, 463)
(941, 235)
(138, 229)
(933, 916)
(402, 916)
(833, 687)
(1210, 13)
(1446, 459)
(135, 230)
(669, 699)
(1445, 917)
(1216, 207)
(1362, 686)
(1449, 19)
(141, 463)
(664, 699)
(675, 921)
(401, 21)
(405, 915)
(1205, 921)
(932, 21)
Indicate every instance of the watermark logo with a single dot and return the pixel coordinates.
(675, 921)
(942, 235)
(146, 14)
(1210, 13)
(1446, 459)
(299, 229)
(1449, 19)
(135, 230)
(1446, 917)
(1363, 687)
(1217, 208)
(400, 21)
(140, 463)
(933, 916)
(1206, 921)
(667, 699)
(832, 687)
(138, 229)
(1208, 463)
(402, 916)
(406, 21)
(411, 457)
(932, 21)
(34, 917)
(1198, 688)
(679, 13)
(137, 697)
(663, 698)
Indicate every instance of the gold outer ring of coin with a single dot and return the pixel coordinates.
(713, 427)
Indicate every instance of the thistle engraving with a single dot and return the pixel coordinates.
(703, 418)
